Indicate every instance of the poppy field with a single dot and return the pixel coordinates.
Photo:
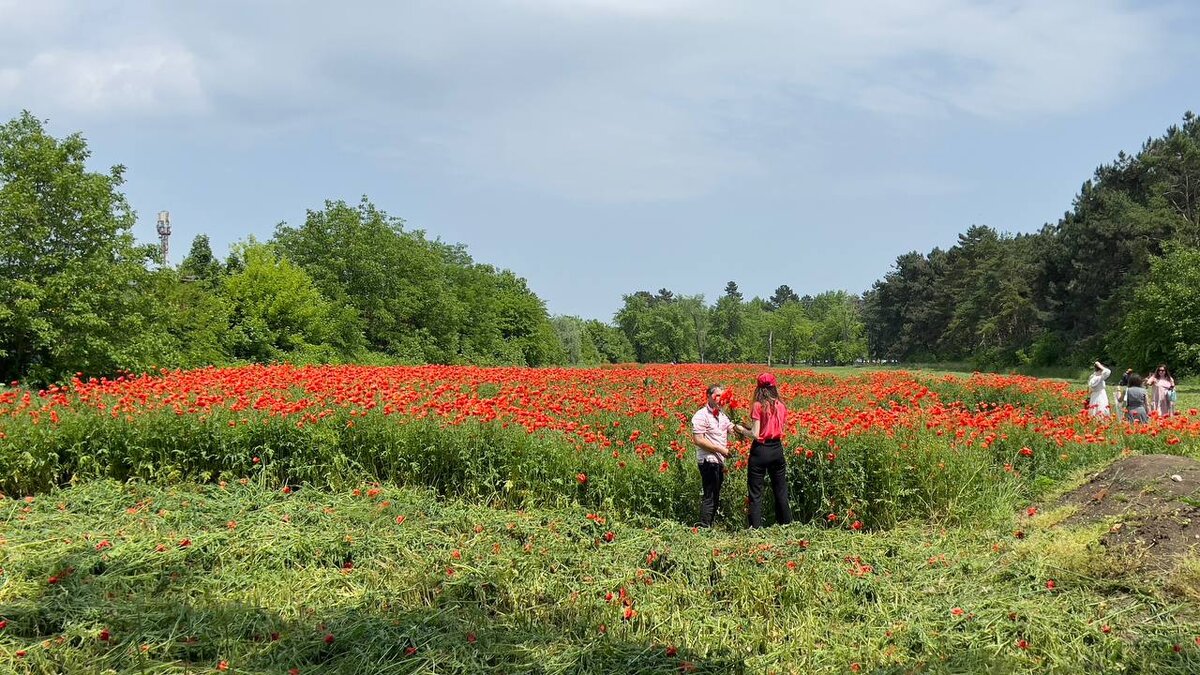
(463, 519)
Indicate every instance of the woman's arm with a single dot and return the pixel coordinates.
(750, 431)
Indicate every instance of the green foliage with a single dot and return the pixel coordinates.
(610, 342)
(1056, 297)
(578, 346)
(200, 266)
(826, 329)
(417, 299)
(72, 281)
(659, 328)
(276, 310)
(1163, 322)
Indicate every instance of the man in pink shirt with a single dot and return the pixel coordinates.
(710, 433)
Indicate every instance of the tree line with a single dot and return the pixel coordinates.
(77, 294)
(663, 327)
(1116, 278)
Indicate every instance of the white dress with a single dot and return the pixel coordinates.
(1098, 396)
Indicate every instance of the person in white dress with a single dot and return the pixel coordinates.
(1097, 394)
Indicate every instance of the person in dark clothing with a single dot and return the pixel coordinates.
(769, 419)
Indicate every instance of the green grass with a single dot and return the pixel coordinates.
(265, 579)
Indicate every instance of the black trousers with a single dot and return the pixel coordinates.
(767, 459)
(712, 476)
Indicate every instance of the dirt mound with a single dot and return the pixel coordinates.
(1155, 500)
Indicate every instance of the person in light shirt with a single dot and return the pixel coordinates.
(710, 433)
(1097, 394)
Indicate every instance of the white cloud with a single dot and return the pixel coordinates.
(607, 99)
(146, 79)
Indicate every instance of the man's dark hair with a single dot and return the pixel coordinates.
(713, 387)
(1135, 380)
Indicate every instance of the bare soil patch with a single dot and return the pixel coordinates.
(1155, 501)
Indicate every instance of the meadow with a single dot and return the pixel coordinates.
(459, 519)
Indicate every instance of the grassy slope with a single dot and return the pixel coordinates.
(530, 588)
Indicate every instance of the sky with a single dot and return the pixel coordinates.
(601, 147)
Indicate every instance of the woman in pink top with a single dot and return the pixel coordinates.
(769, 416)
(1161, 384)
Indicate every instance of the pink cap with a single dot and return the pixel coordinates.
(766, 380)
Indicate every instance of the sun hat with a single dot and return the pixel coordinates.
(766, 380)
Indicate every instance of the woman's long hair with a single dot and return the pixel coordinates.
(766, 396)
(1166, 371)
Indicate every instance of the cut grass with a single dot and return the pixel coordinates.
(186, 578)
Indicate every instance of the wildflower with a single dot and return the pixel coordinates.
(1022, 644)
(581, 477)
(471, 638)
(328, 638)
(104, 635)
(409, 651)
(857, 525)
(400, 520)
(957, 611)
(104, 543)
(1050, 585)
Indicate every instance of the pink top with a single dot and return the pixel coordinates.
(715, 428)
(770, 428)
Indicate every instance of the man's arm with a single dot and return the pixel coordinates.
(703, 442)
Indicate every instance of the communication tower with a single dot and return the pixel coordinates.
(164, 233)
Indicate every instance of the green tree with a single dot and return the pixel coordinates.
(610, 342)
(727, 327)
(1163, 324)
(200, 265)
(783, 295)
(659, 328)
(277, 312)
(794, 333)
(72, 283)
(839, 333)
(575, 340)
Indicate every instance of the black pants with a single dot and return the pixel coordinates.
(712, 475)
(767, 458)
